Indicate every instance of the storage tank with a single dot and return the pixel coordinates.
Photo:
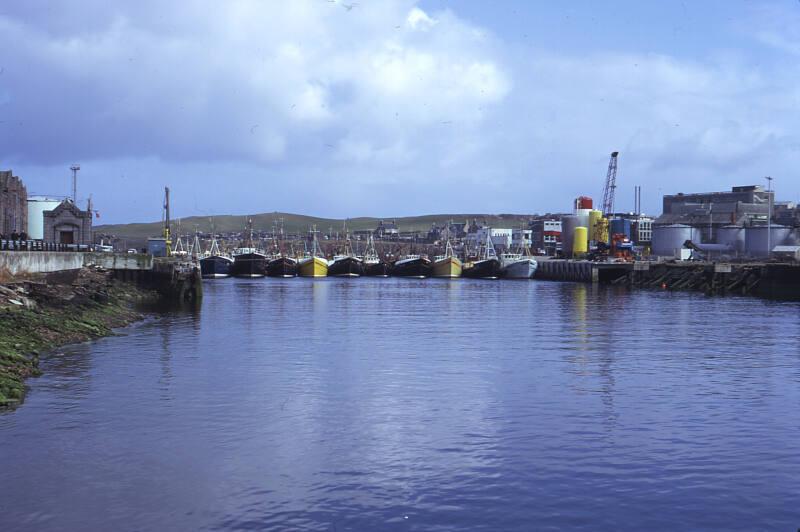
(36, 207)
(594, 225)
(733, 237)
(755, 239)
(583, 202)
(580, 242)
(568, 225)
(620, 226)
(583, 217)
(668, 239)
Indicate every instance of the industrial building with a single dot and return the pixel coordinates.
(13, 205)
(735, 224)
(709, 211)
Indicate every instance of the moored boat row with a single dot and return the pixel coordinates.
(249, 261)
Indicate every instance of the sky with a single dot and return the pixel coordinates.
(397, 107)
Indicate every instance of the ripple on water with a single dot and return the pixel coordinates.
(399, 404)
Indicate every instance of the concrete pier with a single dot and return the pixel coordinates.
(177, 280)
(581, 270)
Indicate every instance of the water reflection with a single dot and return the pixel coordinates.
(398, 404)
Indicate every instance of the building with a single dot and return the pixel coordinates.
(710, 211)
(13, 205)
(387, 231)
(726, 224)
(67, 224)
(501, 238)
(521, 238)
(545, 235)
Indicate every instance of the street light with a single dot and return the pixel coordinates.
(769, 216)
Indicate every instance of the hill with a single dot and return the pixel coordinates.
(299, 223)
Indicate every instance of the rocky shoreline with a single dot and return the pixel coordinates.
(41, 313)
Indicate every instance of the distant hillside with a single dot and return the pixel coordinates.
(298, 223)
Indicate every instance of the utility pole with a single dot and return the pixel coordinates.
(769, 216)
(75, 168)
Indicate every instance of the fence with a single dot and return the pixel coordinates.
(39, 245)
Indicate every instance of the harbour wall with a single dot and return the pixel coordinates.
(768, 280)
(28, 262)
(174, 279)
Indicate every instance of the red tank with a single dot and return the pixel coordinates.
(583, 202)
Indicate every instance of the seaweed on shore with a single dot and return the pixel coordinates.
(39, 316)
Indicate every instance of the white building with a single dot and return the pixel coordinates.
(521, 238)
(500, 237)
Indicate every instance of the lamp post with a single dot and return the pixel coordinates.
(769, 216)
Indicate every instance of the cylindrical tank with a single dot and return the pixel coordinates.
(620, 226)
(36, 207)
(668, 239)
(756, 243)
(583, 217)
(583, 202)
(594, 224)
(731, 236)
(580, 242)
(568, 225)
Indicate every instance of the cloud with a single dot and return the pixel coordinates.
(323, 108)
(244, 80)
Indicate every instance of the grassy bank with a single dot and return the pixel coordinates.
(38, 315)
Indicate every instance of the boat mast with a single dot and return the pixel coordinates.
(490, 252)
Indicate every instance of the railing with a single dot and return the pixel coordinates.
(39, 245)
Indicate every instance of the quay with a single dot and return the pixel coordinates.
(176, 280)
(770, 280)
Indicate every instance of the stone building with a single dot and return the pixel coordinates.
(67, 224)
(13, 205)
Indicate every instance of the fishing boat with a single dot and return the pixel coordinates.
(248, 261)
(281, 264)
(520, 265)
(448, 265)
(373, 265)
(313, 264)
(412, 266)
(487, 266)
(214, 263)
(346, 264)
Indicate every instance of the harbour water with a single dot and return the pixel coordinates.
(427, 405)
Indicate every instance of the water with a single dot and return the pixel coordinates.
(396, 404)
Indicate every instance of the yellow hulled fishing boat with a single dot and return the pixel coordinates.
(448, 265)
(313, 264)
(312, 267)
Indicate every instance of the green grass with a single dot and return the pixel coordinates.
(298, 223)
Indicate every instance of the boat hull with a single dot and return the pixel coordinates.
(312, 267)
(215, 267)
(346, 267)
(249, 265)
(282, 267)
(418, 268)
(377, 269)
(484, 269)
(521, 269)
(448, 268)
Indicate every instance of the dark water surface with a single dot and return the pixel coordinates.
(397, 404)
